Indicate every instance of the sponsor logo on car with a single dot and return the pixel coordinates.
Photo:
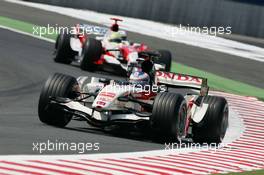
(107, 94)
(177, 77)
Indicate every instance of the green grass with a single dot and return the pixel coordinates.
(22, 26)
(257, 172)
(221, 83)
(215, 82)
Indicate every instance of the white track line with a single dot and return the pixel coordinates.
(158, 30)
(28, 34)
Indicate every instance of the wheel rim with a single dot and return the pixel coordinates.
(224, 123)
(181, 121)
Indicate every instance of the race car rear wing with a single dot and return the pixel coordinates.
(177, 80)
(91, 29)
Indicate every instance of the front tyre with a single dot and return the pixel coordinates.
(63, 51)
(213, 126)
(169, 115)
(57, 85)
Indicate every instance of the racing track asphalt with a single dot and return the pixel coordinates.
(26, 63)
(229, 66)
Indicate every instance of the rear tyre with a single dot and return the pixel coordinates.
(92, 51)
(57, 85)
(213, 126)
(165, 59)
(63, 51)
(169, 115)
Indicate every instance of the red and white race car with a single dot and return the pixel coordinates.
(95, 47)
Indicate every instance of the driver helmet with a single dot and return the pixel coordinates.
(139, 78)
(123, 35)
(115, 37)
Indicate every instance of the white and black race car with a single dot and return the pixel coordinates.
(102, 103)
